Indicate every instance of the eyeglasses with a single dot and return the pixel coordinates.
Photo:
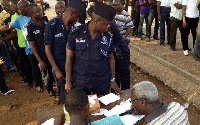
(133, 100)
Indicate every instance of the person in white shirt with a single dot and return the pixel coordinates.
(175, 21)
(190, 22)
(163, 8)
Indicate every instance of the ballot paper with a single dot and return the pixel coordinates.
(118, 109)
(94, 105)
(130, 119)
(111, 120)
(49, 122)
(109, 98)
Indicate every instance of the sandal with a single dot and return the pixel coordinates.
(39, 89)
(9, 92)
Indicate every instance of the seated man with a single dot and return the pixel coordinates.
(77, 105)
(145, 101)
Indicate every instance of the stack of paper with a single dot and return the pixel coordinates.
(109, 98)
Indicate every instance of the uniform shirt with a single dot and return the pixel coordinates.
(173, 114)
(56, 35)
(164, 3)
(177, 13)
(144, 9)
(3, 16)
(191, 8)
(19, 23)
(123, 21)
(35, 33)
(91, 56)
(20, 36)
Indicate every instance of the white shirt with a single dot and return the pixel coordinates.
(164, 3)
(177, 13)
(191, 8)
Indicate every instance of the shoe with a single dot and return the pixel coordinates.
(185, 52)
(52, 93)
(57, 100)
(39, 89)
(30, 85)
(147, 39)
(189, 49)
(156, 38)
(24, 79)
(196, 58)
(162, 43)
(9, 92)
(173, 48)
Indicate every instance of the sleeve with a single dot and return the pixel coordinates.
(15, 23)
(158, 0)
(49, 37)
(71, 41)
(29, 36)
(185, 2)
(129, 22)
(111, 49)
(174, 1)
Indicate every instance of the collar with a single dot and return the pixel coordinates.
(157, 113)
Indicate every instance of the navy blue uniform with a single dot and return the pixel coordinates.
(122, 58)
(35, 33)
(56, 35)
(91, 70)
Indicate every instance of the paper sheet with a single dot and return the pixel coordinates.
(118, 109)
(109, 98)
(130, 119)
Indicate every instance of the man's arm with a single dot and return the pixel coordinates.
(68, 68)
(6, 28)
(51, 59)
(183, 13)
(9, 36)
(37, 56)
(113, 84)
(178, 6)
(158, 10)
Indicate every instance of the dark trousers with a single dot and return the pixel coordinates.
(135, 15)
(3, 87)
(36, 75)
(5, 54)
(61, 88)
(153, 15)
(26, 65)
(175, 24)
(192, 24)
(142, 18)
(197, 47)
(47, 76)
(165, 14)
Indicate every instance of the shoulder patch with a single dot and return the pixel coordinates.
(53, 21)
(76, 28)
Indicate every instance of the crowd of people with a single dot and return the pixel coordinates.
(88, 58)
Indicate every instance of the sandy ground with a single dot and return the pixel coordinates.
(22, 107)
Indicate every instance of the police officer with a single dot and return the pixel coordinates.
(90, 61)
(56, 35)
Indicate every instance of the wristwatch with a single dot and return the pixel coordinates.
(112, 80)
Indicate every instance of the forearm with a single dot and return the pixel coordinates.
(183, 11)
(111, 62)
(128, 31)
(68, 65)
(51, 57)
(178, 6)
(158, 7)
(10, 36)
(6, 28)
(35, 51)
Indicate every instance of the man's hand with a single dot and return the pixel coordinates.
(114, 86)
(184, 24)
(60, 120)
(59, 75)
(68, 86)
(159, 17)
(1, 40)
(42, 65)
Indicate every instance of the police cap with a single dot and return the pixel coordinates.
(78, 4)
(104, 10)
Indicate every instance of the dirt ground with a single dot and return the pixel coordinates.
(22, 107)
